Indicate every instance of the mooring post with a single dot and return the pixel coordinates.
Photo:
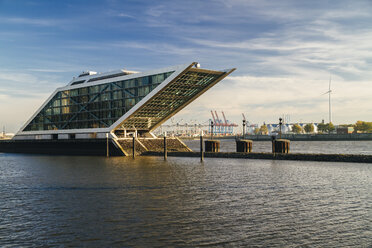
(273, 143)
(107, 145)
(211, 130)
(243, 129)
(201, 149)
(165, 148)
(134, 146)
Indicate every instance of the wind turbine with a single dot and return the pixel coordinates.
(329, 98)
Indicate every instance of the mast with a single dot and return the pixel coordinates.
(329, 99)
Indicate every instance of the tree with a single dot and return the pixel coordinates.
(309, 128)
(330, 127)
(325, 128)
(296, 128)
(256, 131)
(322, 128)
(363, 126)
(264, 130)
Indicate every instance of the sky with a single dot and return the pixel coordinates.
(285, 53)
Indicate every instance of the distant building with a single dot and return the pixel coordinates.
(344, 130)
(287, 127)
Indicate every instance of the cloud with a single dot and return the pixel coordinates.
(48, 70)
(284, 52)
(125, 15)
(29, 21)
(265, 99)
(15, 84)
(325, 47)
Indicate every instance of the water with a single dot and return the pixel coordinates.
(120, 202)
(327, 147)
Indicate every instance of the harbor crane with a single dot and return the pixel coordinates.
(222, 127)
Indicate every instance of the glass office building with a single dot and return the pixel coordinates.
(118, 101)
(95, 106)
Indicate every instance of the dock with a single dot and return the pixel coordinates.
(354, 158)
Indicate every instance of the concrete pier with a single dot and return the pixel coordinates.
(281, 146)
(244, 145)
(212, 145)
(91, 147)
(278, 156)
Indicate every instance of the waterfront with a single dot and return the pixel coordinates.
(324, 147)
(148, 202)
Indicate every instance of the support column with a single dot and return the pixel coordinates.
(134, 147)
(165, 148)
(201, 149)
(107, 145)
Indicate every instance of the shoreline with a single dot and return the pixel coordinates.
(297, 137)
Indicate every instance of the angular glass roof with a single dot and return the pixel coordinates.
(178, 93)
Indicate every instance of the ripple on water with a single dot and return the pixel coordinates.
(75, 201)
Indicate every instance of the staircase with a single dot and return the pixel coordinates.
(150, 144)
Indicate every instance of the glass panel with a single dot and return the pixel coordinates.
(83, 91)
(117, 94)
(156, 79)
(74, 92)
(57, 103)
(129, 83)
(65, 101)
(56, 111)
(94, 89)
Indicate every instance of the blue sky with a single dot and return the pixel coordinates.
(284, 52)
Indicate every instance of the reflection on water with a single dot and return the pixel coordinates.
(327, 147)
(84, 201)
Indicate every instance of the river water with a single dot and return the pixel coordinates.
(49, 201)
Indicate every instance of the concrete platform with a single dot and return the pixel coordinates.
(277, 156)
(91, 147)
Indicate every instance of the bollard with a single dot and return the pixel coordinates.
(165, 148)
(281, 146)
(244, 145)
(212, 145)
(201, 149)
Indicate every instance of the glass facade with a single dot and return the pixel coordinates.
(96, 106)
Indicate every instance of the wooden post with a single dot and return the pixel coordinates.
(201, 149)
(134, 146)
(107, 145)
(165, 148)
